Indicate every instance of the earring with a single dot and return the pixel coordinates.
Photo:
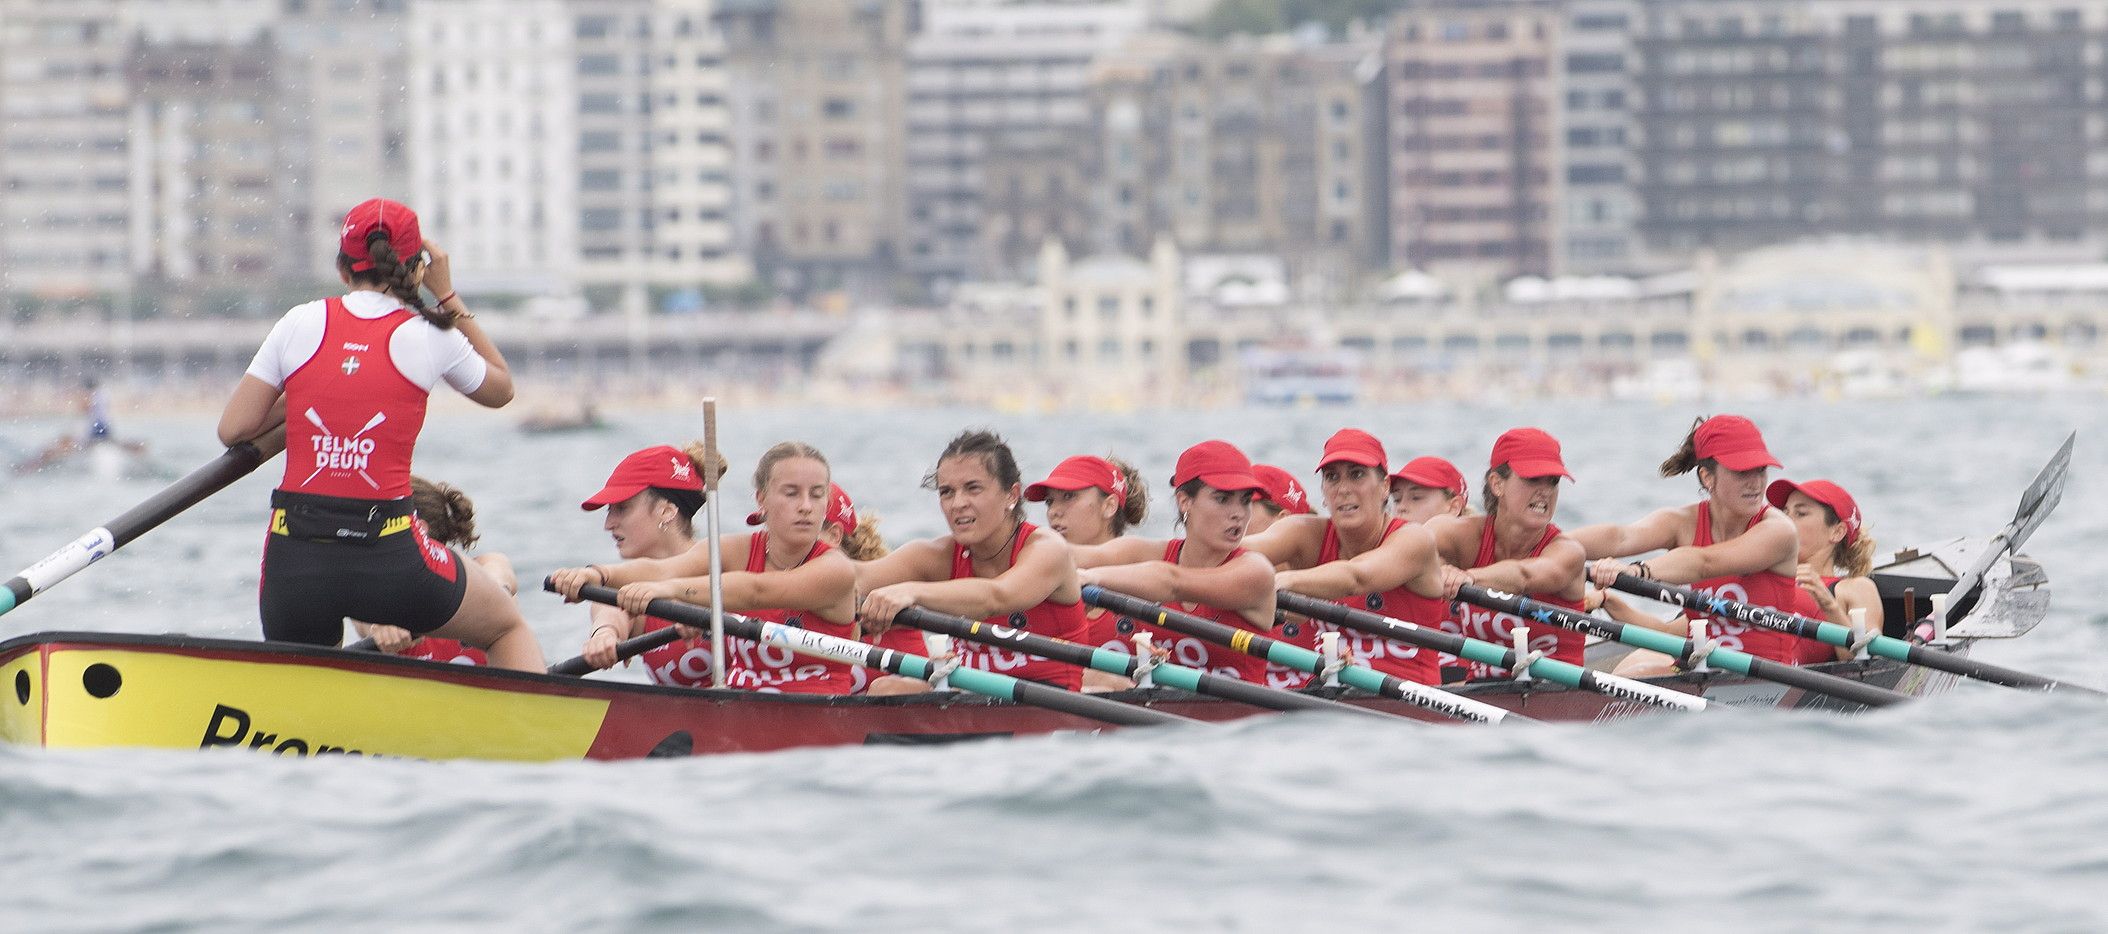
(663, 523)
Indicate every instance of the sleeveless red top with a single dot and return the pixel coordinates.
(1406, 662)
(1195, 652)
(752, 666)
(450, 651)
(1050, 619)
(352, 418)
(1762, 588)
(1474, 622)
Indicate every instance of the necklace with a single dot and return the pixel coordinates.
(1002, 544)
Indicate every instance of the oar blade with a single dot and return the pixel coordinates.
(2042, 496)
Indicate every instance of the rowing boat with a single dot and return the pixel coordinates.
(93, 690)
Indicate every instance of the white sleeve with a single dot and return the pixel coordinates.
(458, 362)
(293, 340)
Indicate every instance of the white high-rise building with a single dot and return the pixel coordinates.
(693, 240)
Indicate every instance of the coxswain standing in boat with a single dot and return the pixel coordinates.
(1092, 500)
(1731, 544)
(1836, 555)
(450, 518)
(1427, 487)
(1363, 557)
(784, 574)
(1515, 547)
(351, 377)
(993, 566)
(1208, 573)
(651, 500)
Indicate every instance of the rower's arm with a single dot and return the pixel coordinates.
(1117, 551)
(254, 407)
(1557, 570)
(825, 583)
(690, 563)
(1626, 613)
(1654, 533)
(1406, 558)
(1293, 541)
(1041, 569)
(1856, 593)
(1244, 584)
(922, 560)
(1760, 549)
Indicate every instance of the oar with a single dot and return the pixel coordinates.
(1479, 650)
(624, 651)
(2036, 503)
(1681, 649)
(821, 645)
(1833, 634)
(237, 462)
(1121, 663)
(1298, 658)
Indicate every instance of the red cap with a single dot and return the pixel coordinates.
(1219, 465)
(400, 223)
(1824, 492)
(1354, 446)
(1432, 472)
(1282, 489)
(657, 466)
(1081, 473)
(1733, 442)
(840, 511)
(1529, 452)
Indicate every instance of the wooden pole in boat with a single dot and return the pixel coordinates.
(237, 462)
(821, 645)
(1833, 634)
(1299, 658)
(1121, 663)
(1479, 650)
(712, 485)
(1681, 649)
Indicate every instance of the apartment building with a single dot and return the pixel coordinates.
(1602, 174)
(342, 118)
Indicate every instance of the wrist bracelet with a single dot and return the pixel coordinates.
(1640, 570)
(450, 296)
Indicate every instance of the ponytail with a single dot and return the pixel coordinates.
(449, 516)
(396, 274)
(1686, 459)
(864, 544)
(1135, 507)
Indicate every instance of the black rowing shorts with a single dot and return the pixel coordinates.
(328, 558)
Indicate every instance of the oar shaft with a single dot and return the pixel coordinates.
(1832, 634)
(1298, 658)
(1121, 663)
(236, 462)
(1479, 650)
(808, 642)
(624, 650)
(1739, 662)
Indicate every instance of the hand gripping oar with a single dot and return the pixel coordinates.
(1121, 663)
(624, 651)
(2036, 503)
(821, 645)
(237, 462)
(1298, 658)
(1479, 650)
(1680, 649)
(1821, 631)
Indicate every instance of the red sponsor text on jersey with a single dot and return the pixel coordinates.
(1406, 662)
(1473, 622)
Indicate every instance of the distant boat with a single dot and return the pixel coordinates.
(107, 460)
(550, 421)
(1275, 376)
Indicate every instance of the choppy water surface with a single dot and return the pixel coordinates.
(1983, 808)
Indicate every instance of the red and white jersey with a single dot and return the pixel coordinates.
(1762, 588)
(450, 651)
(1403, 661)
(752, 666)
(682, 663)
(1473, 622)
(356, 372)
(1053, 620)
(1195, 652)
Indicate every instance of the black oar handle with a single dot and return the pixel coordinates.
(624, 651)
(1812, 681)
(1258, 695)
(891, 662)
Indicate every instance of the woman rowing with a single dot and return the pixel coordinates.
(1731, 544)
(1285, 496)
(1090, 501)
(355, 374)
(1836, 554)
(992, 565)
(450, 518)
(1362, 557)
(651, 500)
(1427, 487)
(1207, 573)
(854, 532)
(1515, 547)
(787, 575)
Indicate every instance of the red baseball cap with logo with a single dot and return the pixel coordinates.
(398, 222)
(1082, 472)
(1282, 489)
(1732, 442)
(1826, 493)
(1433, 473)
(840, 511)
(660, 466)
(1530, 453)
(1219, 465)
(1354, 446)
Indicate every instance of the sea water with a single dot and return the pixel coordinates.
(1983, 808)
